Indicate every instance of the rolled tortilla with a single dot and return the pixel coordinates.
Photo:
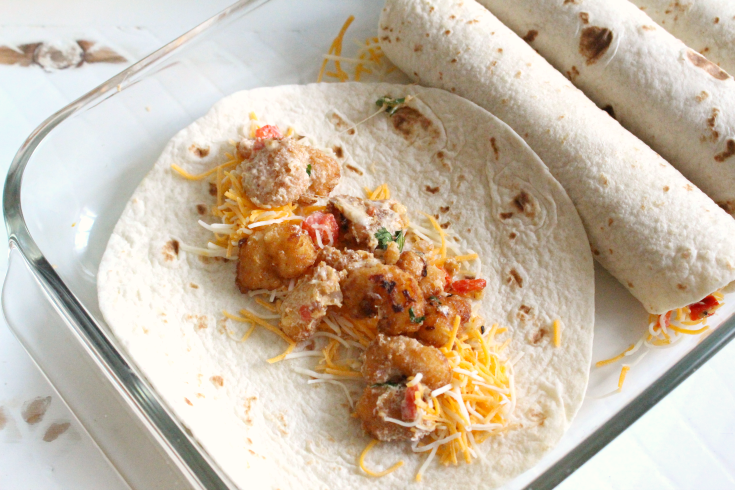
(672, 98)
(659, 235)
(706, 25)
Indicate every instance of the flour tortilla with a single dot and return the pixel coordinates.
(707, 26)
(262, 423)
(672, 98)
(659, 235)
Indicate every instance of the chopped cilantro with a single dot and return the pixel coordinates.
(384, 238)
(414, 318)
(391, 105)
(308, 170)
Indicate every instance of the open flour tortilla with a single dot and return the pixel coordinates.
(261, 422)
(705, 25)
(661, 237)
(676, 101)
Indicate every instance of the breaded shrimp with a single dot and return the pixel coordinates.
(397, 402)
(274, 174)
(342, 260)
(386, 294)
(305, 306)
(439, 321)
(324, 175)
(360, 219)
(433, 283)
(394, 359)
(413, 263)
(273, 255)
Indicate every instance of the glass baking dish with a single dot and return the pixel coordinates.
(71, 179)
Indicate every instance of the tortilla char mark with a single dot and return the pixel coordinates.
(729, 151)
(594, 43)
(701, 62)
(525, 204)
(410, 122)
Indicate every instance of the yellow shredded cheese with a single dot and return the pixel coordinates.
(557, 333)
(435, 224)
(623, 372)
(616, 358)
(361, 461)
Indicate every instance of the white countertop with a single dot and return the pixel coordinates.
(684, 442)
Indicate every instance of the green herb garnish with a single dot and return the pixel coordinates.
(384, 238)
(308, 170)
(392, 105)
(414, 318)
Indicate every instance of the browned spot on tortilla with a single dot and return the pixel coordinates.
(398, 39)
(500, 50)
(201, 208)
(594, 250)
(524, 204)
(514, 276)
(212, 189)
(447, 32)
(441, 76)
(729, 151)
(385, 38)
(666, 188)
(630, 284)
(681, 287)
(717, 20)
(452, 16)
(193, 286)
(351, 131)
(703, 95)
(610, 250)
(525, 309)
(440, 154)
(55, 430)
(473, 21)
(728, 206)
(338, 151)
(610, 222)
(594, 43)
(610, 111)
(493, 143)
(648, 28)
(3, 418)
(454, 60)
(538, 336)
(701, 62)
(408, 121)
(512, 235)
(530, 36)
(354, 169)
(431, 9)
(199, 151)
(689, 187)
(432, 190)
(573, 73)
(188, 402)
(584, 17)
(217, 381)
(506, 215)
(446, 225)
(418, 48)
(444, 209)
(34, 410)
(573, 2)
(171, 250)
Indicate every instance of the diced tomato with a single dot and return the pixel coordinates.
(703, 308)
(305, 313)
(465, 286)
(324, 224)
(268, 132)
(408, 408)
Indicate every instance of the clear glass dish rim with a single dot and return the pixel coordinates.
(145, 400)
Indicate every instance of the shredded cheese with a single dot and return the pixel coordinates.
(361, 461)
(623, 372)
(557, 333)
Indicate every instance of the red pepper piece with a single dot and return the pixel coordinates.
(703, 308)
